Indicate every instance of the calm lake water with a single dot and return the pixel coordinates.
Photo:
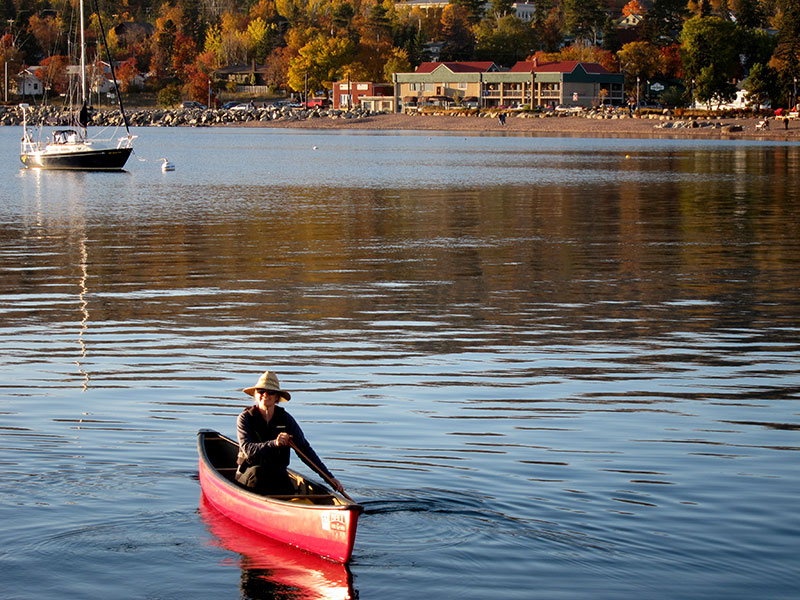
(548, 368)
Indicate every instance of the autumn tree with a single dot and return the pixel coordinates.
(457, 35)
(54, 73)
(551, 29)
(319, 63)
(276, 64)
(787, 53)
(47, 31)
(163, 47)
(126, 74)
(634, 7)
(398, 63)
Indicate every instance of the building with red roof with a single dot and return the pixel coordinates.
(486, 85)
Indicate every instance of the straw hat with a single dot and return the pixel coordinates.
(268, 381)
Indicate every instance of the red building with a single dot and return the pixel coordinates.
(374, 96)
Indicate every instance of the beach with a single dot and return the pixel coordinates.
(566, 126)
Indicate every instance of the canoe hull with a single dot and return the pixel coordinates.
(329, 531)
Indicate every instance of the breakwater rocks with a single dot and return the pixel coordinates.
(180, 117)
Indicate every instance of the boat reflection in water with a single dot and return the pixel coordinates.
(271, 569)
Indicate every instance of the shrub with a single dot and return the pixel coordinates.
(169, 96)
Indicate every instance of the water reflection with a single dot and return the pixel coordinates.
(273, 570)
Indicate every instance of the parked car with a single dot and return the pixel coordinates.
(244, 106)
(229, 105)
(192, 104)
(317, 102)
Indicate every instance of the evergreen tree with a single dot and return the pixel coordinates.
(663, 22)
(610, 38)
(749, 13)
(459, 41)
(583, 18)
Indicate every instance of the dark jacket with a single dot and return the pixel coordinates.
(257, 441)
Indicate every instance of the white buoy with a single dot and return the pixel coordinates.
(167, 166)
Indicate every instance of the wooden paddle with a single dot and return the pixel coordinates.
(317, 469)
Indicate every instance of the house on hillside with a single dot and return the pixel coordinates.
(252, 78)
(26, 83)
(486, 85)
(524, 11)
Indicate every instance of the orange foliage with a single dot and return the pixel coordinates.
(634, 7)
(671, 57)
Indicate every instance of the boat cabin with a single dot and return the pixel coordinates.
(66, 136)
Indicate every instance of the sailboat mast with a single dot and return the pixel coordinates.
(83, 59)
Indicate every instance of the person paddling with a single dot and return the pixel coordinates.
(266, 432)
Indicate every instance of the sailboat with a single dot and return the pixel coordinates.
(71, 148)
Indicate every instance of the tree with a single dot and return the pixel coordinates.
(501, 8)
(505, 40)
(473, 8)
(762, 85)
(169, 96)
(397, 63)
(787, 54)
(640, 59)
(277, 68)
(664, 21)
(54, 73)
(749, 13)
(164, 46)
(456, 34)
(378, 26)
(258, 39)
(551, 30)
(47, 33)
(184, 53)
(671, 63)
(126, 74)
(634, 7)
(584, 52)
(711, 57)
(584, 18)
(319, 63)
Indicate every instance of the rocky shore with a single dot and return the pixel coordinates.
(583, 123)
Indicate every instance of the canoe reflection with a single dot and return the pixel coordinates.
(271, 569)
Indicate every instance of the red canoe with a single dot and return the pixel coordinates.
(266, 563)
(316, 519)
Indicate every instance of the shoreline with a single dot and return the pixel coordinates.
(592, 124)
(569, 126)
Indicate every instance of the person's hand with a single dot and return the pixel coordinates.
(336, 485)
(283, 439)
